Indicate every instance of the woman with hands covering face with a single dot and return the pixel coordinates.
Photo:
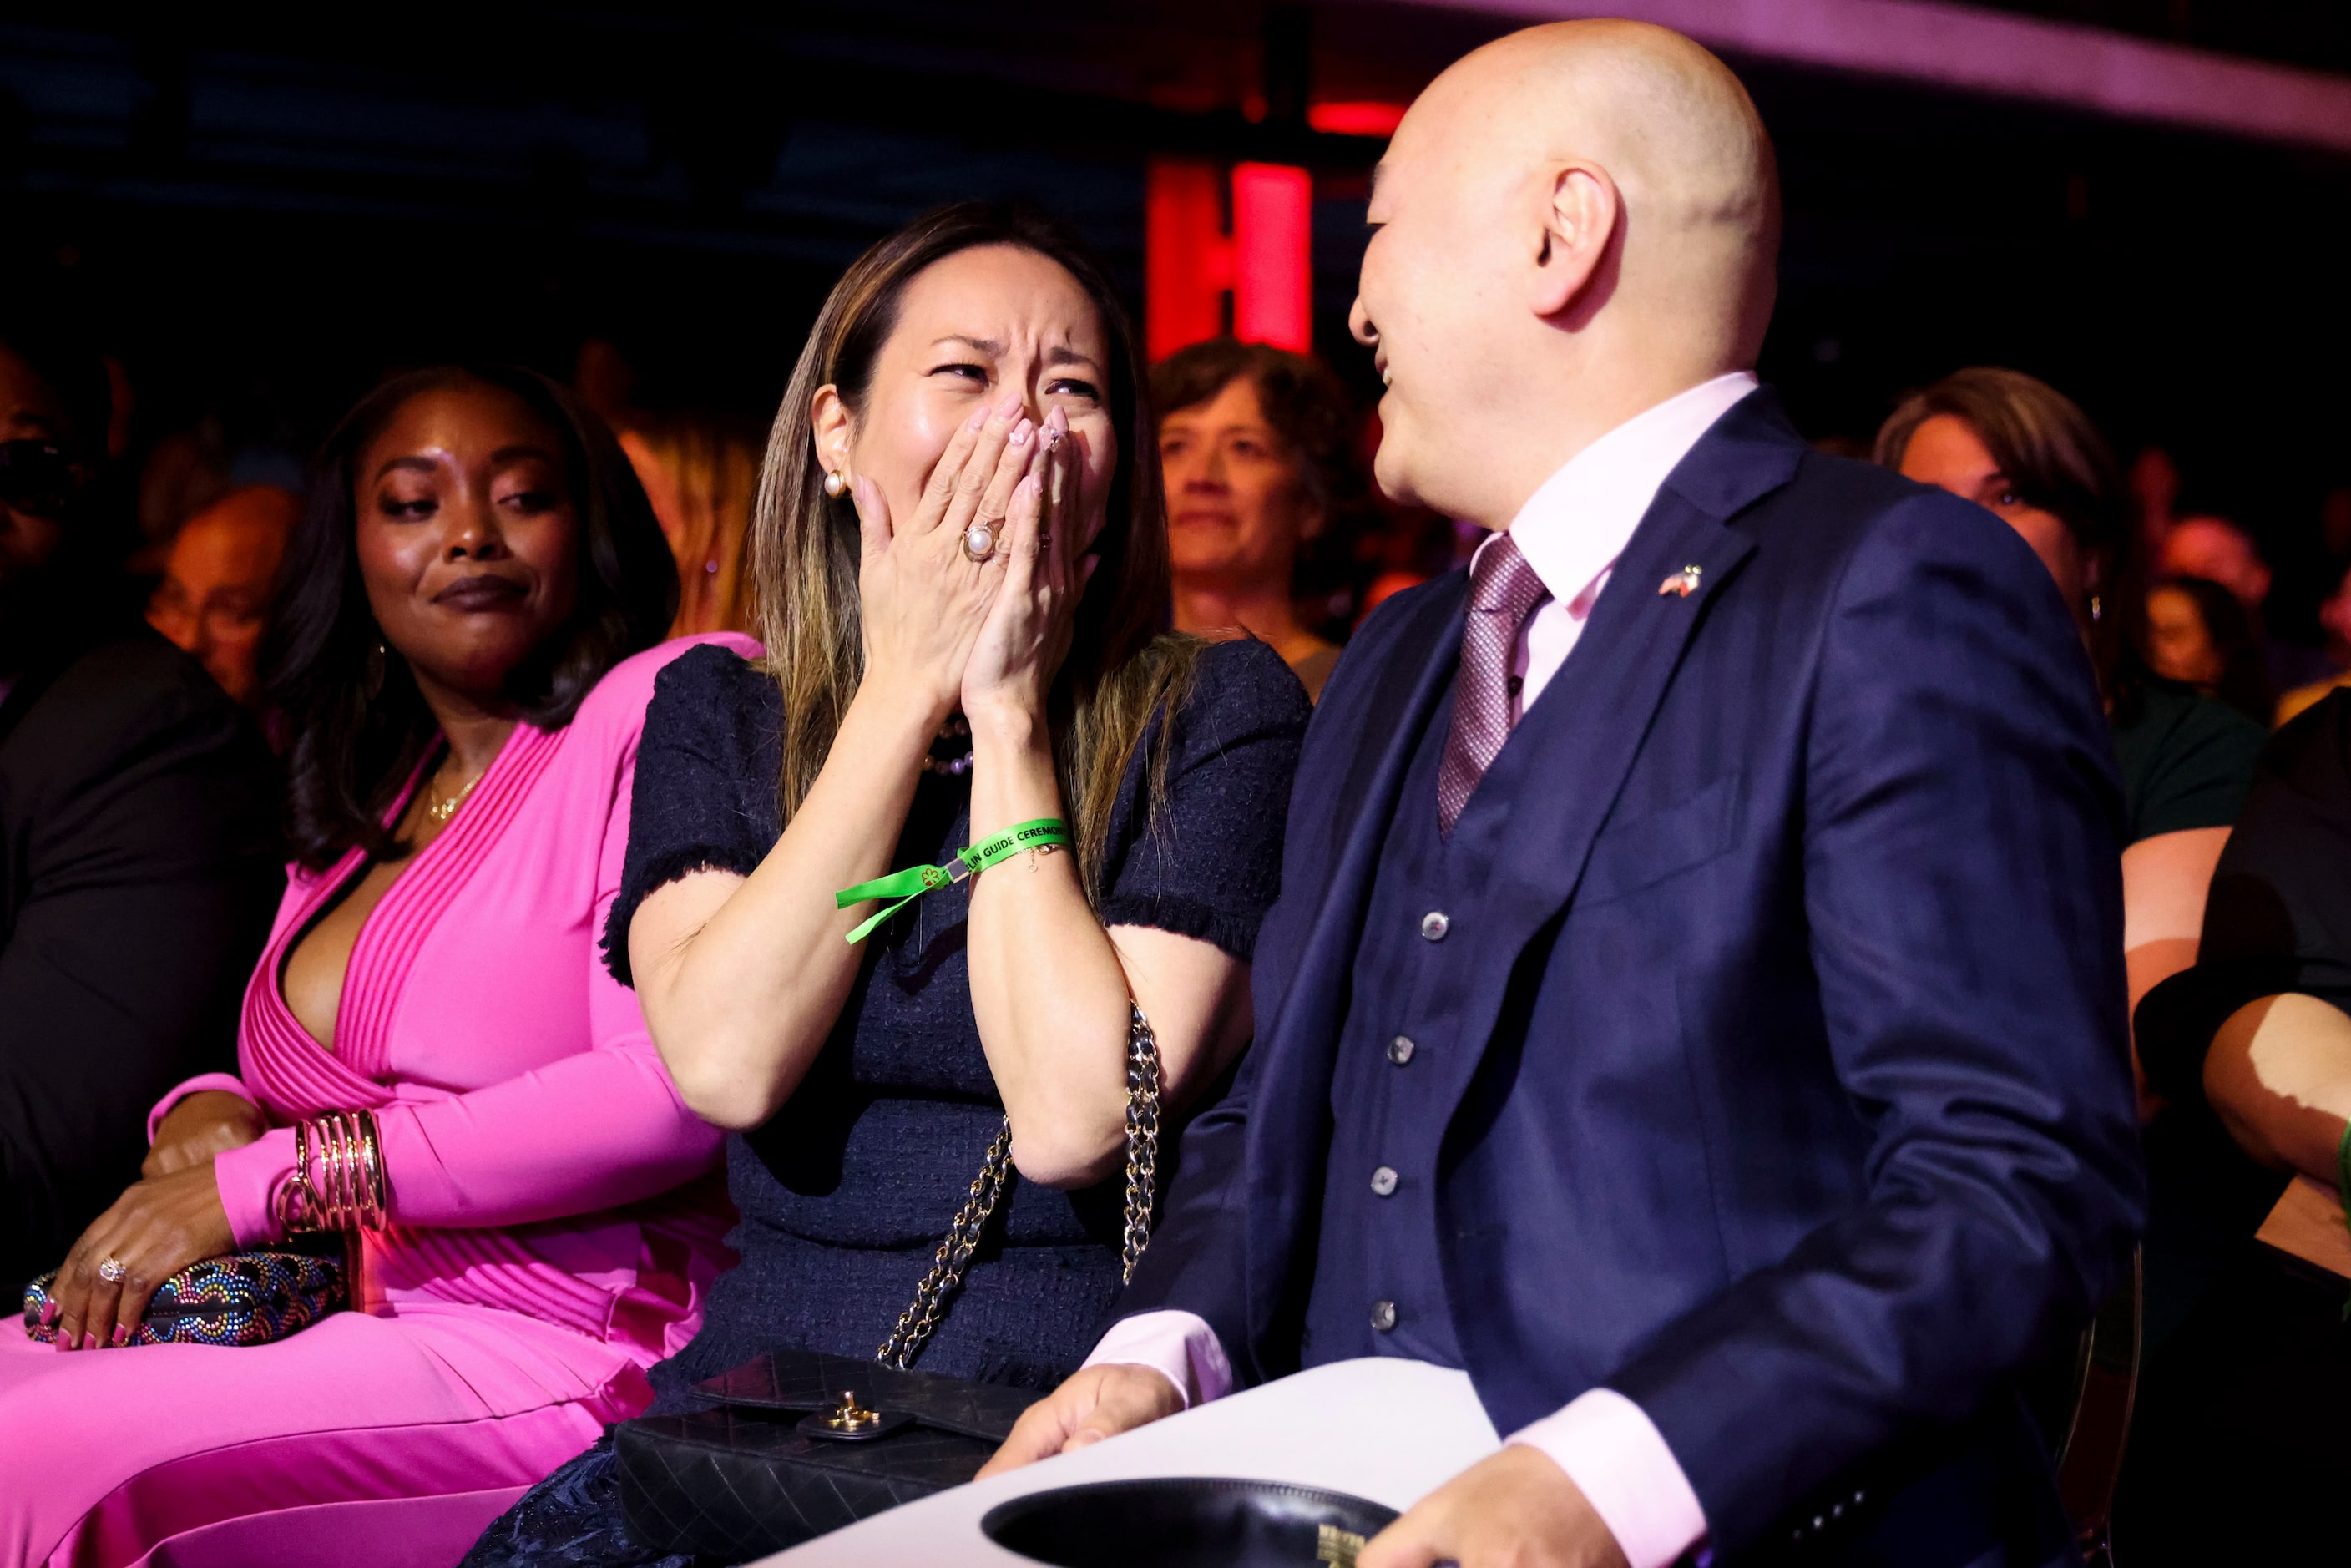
(961, 562)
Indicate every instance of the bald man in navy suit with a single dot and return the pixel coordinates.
(1696, 1005)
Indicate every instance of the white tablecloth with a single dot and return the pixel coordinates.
(1392, 1431)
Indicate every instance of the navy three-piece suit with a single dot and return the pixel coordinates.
(1754, 1047)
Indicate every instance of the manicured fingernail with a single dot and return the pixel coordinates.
(1058, 422)
(122, 1334)
(1027, 489)
(48, 1314)
(1021, 433)
(978, 419)
(90, 1342)
(1009, 406)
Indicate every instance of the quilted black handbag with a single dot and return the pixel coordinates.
(800, 1443)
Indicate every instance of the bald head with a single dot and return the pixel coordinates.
(214, 596)
(1588, 211)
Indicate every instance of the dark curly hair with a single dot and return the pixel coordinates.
(354, 724)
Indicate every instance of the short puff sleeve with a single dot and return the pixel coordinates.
(706, 782)
(1206, 863)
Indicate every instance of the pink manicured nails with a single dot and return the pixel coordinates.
(1057, 425)
(1020, 433)
(122, 1334)
(976, 420)
(1010, 405)
(48, 1314)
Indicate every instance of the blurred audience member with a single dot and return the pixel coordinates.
(2334, 621)
(702, 478)
(213, 601)
(2218, 550)
(2240, 1453)
(463, 662)
(2154, 485)
(2334, 522)
(138, 852)
(2198, 635)
(1253, 440)
(184, 471)
(2022, 450)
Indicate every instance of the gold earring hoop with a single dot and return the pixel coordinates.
(836, 483)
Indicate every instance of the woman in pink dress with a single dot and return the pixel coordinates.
(465, 659)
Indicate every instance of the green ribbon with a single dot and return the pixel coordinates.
(905, 886)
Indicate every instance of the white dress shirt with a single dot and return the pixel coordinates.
(1571, 530)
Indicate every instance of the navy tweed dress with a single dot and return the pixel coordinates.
(844, 1193)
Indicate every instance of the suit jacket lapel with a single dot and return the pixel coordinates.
(1560, 772)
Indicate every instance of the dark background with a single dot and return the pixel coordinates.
(259, 217)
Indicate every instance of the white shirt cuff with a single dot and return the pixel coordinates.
(1179, 1346)
(1615, 1455)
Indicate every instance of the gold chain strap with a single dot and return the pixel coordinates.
(922, 1315)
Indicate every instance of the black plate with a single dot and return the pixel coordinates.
(1186, 1522)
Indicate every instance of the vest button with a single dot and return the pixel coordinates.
(1383, 1181)
(1400, 1049)
(1434, 925)
(1383, 1316)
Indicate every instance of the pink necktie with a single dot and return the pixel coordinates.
(1503, 590)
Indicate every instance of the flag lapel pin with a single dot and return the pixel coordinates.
(1681, 584)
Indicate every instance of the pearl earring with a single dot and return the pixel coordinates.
(836, 483)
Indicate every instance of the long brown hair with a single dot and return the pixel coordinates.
(2056, 460)
(1123, 664)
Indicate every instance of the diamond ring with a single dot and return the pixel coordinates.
(111, 1270)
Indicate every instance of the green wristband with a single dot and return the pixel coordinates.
(2343, 1188)
(905, 886)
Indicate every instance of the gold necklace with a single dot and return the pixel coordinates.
(440, 812)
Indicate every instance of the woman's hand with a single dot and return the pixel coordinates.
(1027, 634)
(154, 1231)
(204, 1124)
(921, 600)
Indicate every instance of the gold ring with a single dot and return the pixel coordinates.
(113, 1269)
(979, 543)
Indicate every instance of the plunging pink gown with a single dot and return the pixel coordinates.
(555, 1215)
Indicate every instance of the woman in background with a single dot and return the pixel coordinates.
(1254, 441)
(459, 666)
(2198, 635)
(2025, 452)
(961, 569)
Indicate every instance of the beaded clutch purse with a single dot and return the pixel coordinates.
(246, 1298)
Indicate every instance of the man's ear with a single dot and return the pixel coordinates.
(829, 423)
(1578, 209)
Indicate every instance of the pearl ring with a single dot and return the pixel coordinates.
(979, 543)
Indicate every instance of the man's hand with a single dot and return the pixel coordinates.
(1096, 1403)
(1516, 1510)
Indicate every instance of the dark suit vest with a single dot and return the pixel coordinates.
(1379, 1272)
